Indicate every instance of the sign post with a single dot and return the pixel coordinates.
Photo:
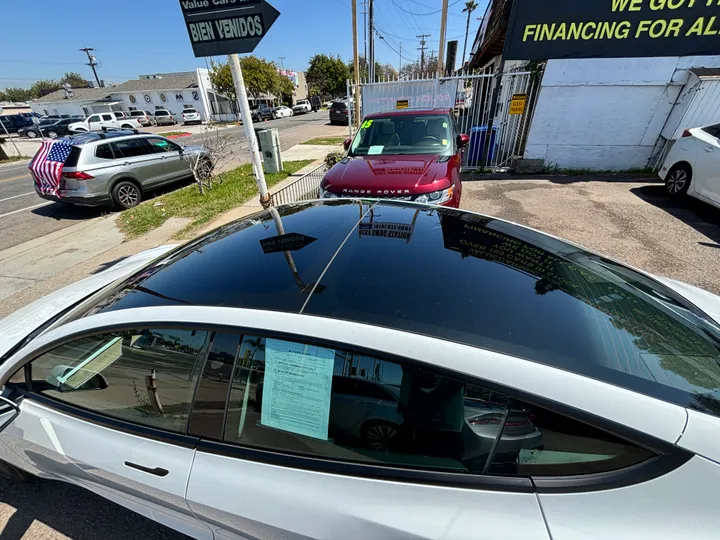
(218, 28)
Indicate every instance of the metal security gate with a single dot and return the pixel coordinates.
(470, 96)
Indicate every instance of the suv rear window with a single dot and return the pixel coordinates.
(338, 105)
(104, 151)
(161, 113)
(72, 159)
(137, 113)
(190, 111)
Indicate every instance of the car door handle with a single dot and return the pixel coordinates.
(157, 471)
(709, 149)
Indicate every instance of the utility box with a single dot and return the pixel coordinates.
(269, 140)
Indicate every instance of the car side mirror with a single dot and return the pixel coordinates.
(463, 140)
(347, 143)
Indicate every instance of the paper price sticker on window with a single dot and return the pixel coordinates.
(517, 103)
(366, 124)
(297, 388)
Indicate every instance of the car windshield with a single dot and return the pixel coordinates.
(404, 134)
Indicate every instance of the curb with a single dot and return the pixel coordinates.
(186, 134)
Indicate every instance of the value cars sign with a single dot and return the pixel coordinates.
(218, 27)
(545, 29)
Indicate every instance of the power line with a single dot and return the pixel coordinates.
(422, 14)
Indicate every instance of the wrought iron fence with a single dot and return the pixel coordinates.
(305, 188)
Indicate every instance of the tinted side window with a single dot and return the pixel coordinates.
(133, 148)
(713, 130)
(94, 118)
(338, 405)
(104, 151)
(146, 377)
(107, 117)
(73, 157)
(569, 447)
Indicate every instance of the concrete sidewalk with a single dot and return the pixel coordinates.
(33, 269)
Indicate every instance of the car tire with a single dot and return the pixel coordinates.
(126, 195)
(31, 134)
(677, 181)
(52, 134)
(12, 473)
(378, 435)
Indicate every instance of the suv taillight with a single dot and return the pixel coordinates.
(687, 133)
(78, 175)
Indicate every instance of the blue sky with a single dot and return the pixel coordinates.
(149, 36)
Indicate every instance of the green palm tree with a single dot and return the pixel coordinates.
(470, 6)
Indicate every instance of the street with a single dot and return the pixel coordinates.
(24, 215)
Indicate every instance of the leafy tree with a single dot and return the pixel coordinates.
(44, 87)
(261, 77)
(221, 77)
(327, 75)
(16, 94)
(470, 6)
(74, 79)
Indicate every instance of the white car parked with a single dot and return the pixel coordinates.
(191, 116)
(362, 369)
(282, 112)
(692, 167)
(96, 122)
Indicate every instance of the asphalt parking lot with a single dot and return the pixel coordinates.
(628, 219)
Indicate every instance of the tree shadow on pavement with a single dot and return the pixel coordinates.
(73, 512)
(702, 217)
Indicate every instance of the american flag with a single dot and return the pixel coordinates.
(46, 166)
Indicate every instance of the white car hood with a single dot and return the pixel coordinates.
(15, 327)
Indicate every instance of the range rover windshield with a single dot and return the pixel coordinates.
(405, 135)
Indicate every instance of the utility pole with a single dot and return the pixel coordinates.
(400, 66)
(371, 48)
(422, 48)
(241, 93)
(441, 51)
(282, 61)
(365, 45)
(92, 62)
(356, 66)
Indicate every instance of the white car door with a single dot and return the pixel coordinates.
(273, 471)
(108, 120)
(706, 177)
(94, 122)
(108, 410)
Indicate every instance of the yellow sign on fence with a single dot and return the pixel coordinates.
(402, 104)
(517, 103)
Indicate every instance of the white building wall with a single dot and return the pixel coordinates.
(171, 103)
(55, 107)
(606, 113)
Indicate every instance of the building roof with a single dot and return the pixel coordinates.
(442, 273)
(173, 82)
(706, 73)
(80, 94)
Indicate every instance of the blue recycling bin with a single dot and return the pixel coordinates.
(476, 148)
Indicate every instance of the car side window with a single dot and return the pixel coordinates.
(160, 146)
(146, 377)
(130, 148)
(104, 151)
(339, 405)
(94, 118)
(107, 117)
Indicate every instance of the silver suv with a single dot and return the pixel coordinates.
(115, 168)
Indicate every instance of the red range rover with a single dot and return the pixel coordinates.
(411, 155)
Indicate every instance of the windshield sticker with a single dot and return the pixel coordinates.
(366, 124)
(375, 150)
(445, 141)
(445, 124)
(297, 388)
(161, 143)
